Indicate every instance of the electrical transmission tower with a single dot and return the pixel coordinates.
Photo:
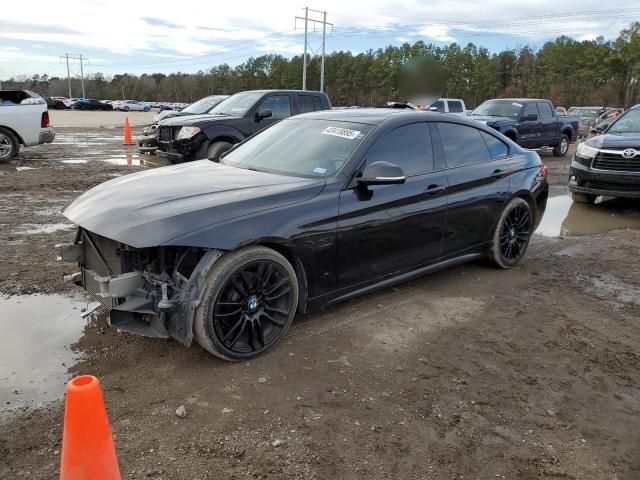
(75, 56)
(305, 62)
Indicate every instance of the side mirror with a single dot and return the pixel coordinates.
(433, 109)
(382, 173)
(599, 128)
(532, 117)
(266, 113)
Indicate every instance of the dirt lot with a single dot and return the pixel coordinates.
(531, 373)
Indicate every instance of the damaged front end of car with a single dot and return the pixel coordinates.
(150, 291)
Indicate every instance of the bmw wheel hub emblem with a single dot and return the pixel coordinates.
(629, 153)
(253, 304)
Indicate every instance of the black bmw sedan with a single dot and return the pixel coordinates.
(313, 210)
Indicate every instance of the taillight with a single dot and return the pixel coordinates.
(544, 169)
(44, 123)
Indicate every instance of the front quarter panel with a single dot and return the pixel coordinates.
(306, 230)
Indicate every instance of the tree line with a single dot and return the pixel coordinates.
(566, 71)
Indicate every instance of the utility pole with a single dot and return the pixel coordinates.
(306, 63)
(74, 56)
(306, 42)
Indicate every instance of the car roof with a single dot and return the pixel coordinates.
(374, 116)
(311, 92)
(523, 99)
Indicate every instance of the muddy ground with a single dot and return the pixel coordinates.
(531, 373)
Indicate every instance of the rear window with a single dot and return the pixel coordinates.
(317, 103)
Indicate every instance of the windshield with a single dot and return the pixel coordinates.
(300, 147)
(203, 105)
(498, 108)
(584, 112)
(627, 123)
(238, 104)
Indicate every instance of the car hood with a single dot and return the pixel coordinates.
(610, 140)
(151, 208)
(163, 115)
(191, 120)
(489, 120)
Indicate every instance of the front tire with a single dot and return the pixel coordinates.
(9, 145)
(126, 109)
(561, 149)
(512, 234)
(248, 304)
(583, 198)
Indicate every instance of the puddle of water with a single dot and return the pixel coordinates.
(20, 169)
(563, 217)
(35, 228)
(122, 159)
(34, 347)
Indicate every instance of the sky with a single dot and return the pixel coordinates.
(167, 36)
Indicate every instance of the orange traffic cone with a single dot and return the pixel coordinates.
(128, 139)
(88, 452)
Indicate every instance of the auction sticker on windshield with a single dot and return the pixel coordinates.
(341, 132)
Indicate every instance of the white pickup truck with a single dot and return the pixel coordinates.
(24, 120)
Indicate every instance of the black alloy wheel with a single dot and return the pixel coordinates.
(248, 304)
(512, 234)
(252, 308)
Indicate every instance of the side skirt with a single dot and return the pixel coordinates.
(403, 277)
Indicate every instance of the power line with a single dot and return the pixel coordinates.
(313, 21)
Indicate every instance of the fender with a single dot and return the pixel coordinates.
(216, 131)
(180, 322)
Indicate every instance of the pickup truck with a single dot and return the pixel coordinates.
(530, 122)
(24, 120)
(608, 164)
(241, 115)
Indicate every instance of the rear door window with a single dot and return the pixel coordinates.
(317, 104)
(408, 146)
(305, 102)
(463, 145)
(455, 106)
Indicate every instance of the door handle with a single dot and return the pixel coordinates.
(434, 189)
(499, 173)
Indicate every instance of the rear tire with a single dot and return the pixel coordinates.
(215, 149)
(512, 234)
(583, 198)
(249, 302)
(9, 145)
(561, 149)
(126, 109)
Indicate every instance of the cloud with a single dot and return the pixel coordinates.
(436, 32)
(159, 22)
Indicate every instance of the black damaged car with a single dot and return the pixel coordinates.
(313, 210)
(608, 164)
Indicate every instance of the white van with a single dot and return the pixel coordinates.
(24, 120)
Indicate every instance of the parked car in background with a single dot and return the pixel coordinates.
(455, 106)
(52, 103)
(91, 104)
(231, 121)
(588, 118)
(530, 122)
(131, 105)
(64, 100)
(608, 164)
(149, 143)
(24, 120)
(312, 211)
